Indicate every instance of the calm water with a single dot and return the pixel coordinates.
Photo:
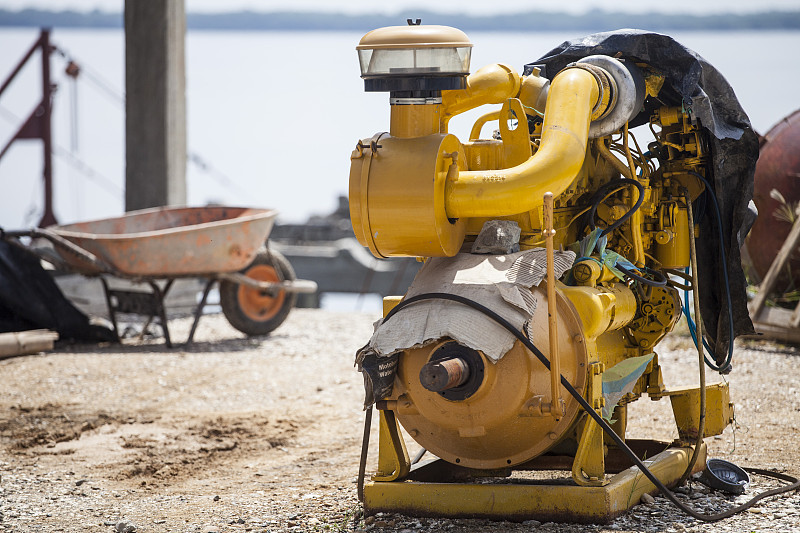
(279, 113)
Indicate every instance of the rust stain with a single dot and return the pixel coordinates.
(168, 242)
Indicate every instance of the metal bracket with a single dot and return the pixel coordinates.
(588, 469)
(393, 460)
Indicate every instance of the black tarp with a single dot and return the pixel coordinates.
(692, 82)
(30, 299)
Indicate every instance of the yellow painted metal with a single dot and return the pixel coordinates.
(390, 302)
(619, 420)
(686, 409)
(475, 132)
(589, 273)
(657, 315)
(668, 116)
(414, 120)
(503, 423)
(553, 167)
(637, 219)
(397, 189)
(588, 468)
(686, 150)
(516, 140)
(364, 153)
(484, 154)
(673, 251)
(556, 403)
(520, 501)
(602, 308)
(603, 150)
(654, 377)
(393, 461)
(492, 84)
(533, 92)
(530, 224)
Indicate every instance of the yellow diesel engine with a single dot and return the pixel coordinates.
(555, 249)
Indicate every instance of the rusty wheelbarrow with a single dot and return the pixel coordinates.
(257, 286)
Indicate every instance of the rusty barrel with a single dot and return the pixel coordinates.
(778, 169)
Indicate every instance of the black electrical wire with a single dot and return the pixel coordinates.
(660, 282)
(598, 196)
(726, 363)
(681, 274)
(794, 482)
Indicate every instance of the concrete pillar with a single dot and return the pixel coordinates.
(155, 108)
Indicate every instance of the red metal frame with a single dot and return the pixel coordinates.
(38, 123)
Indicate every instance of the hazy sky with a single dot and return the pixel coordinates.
(465, 6)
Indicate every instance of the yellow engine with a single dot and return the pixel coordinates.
(601, 233)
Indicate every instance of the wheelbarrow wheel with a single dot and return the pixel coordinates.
(256, 312)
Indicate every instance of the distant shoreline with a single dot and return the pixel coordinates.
(531, 21)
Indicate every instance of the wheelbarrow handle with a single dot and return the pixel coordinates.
(60, 242)
(300, 286)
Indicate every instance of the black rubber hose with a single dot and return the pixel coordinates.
(605, 189)
(661, 282)
(794, 482)
(718, 217)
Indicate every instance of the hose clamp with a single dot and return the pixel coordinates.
(606, 86)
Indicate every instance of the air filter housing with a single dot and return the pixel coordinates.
(414, 58)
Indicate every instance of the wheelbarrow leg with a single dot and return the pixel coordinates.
(199, 311)
(162, 315)
(144, 328)
(111, 309)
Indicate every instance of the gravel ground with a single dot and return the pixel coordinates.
(263, 434)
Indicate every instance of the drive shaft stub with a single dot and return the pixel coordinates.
(445, 374)
(454, 371)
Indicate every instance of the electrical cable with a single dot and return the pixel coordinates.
(794, 482)
(597, 198)
(727, 361)
(701, 425)
(661, 282)
(681, 274)
(692, 329)
(601, 192)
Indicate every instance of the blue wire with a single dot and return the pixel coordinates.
(693, 328)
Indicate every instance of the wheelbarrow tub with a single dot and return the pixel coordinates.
(168, 242)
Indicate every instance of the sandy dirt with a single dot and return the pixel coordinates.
(264, 434)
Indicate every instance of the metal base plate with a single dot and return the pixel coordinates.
(519, 500)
